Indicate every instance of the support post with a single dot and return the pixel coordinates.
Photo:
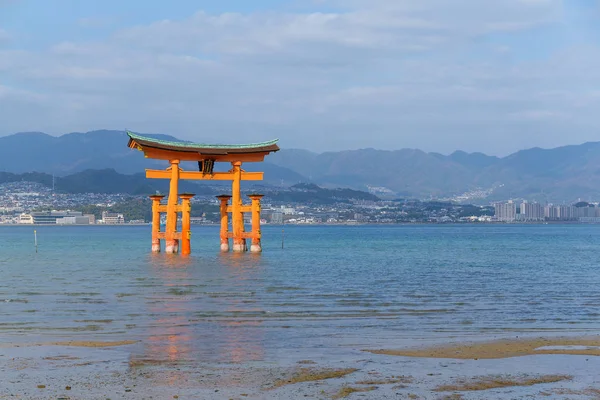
(171, 243)
(224, 199)
(186, 232)
(156, 221)
(237, 216)
(256, 247)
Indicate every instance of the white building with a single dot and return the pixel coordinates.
(288, 210)
(26, 219)
(531, 212)
(506, 212)
(110, 218)
(76, 220)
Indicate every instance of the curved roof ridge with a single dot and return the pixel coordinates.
(192, 145)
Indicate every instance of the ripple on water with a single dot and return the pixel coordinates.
(461, 279)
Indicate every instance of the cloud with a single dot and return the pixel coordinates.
(387, 74)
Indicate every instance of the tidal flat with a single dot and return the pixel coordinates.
(42, 371)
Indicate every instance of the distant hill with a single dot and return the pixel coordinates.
(96, 150)
(308, 193)
(561, 174)
(555, 175)
(110, 181)
(73, 152)
(102, 181)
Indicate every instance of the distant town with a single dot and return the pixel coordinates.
(23, 203)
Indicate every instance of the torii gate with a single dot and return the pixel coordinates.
(206, 155)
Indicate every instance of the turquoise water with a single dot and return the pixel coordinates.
(329, 288)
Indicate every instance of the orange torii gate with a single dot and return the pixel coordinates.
(206, 156)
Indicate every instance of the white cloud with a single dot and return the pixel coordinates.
(385, 74)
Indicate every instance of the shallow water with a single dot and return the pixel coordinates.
(329, 289)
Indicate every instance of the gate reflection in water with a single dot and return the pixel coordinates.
(191, 322)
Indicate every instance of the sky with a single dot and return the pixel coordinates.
(492, 76)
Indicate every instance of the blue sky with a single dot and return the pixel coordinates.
(40, 22)
(438, 75)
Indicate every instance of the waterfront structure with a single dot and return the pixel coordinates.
(55, 218)
(111, 218)
(530, 212)
(50, 218)
(26, 219)
(74, 220)
(564, 213)
(277, 218)
(91, 218)
(205, 156)
(506, 212)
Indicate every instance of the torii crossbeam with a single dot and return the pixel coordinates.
(206, 155)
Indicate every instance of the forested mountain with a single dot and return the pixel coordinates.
(560, 174)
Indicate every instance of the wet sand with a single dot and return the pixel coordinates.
(70, 371)
(589, 346)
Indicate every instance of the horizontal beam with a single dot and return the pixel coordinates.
(199, 176)
(163, 208)
(246, 209)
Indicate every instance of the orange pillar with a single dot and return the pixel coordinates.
(156, 222)
(186, 233)
(237, 217)
(171, 243)
(224, 198)
(255, 247)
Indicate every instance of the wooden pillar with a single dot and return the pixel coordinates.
(171, 243)
(224, 198)
(237, 216)
(255, 247)
(186, 233)
(156, 222)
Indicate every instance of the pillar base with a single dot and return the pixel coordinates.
(156, 246)
(171, 246)
(225, 247)
(255, 248)
(239, 247)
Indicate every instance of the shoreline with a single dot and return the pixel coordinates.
(338, 224)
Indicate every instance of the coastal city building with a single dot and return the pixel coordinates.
(530, 212)
(25, 219)
(74, 220)
(111, 218)
(506, 212)
(52, 217)
(21, 202)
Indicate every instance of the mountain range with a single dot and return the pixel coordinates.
(560, 174)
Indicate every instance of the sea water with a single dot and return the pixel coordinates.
(327, 288)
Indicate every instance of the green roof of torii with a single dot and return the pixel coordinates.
(268, 146)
